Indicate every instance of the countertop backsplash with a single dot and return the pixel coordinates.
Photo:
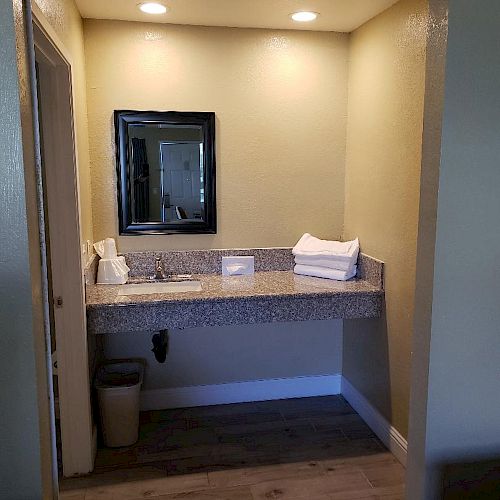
(210, 262)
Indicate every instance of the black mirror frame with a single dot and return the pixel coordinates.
(124, 118)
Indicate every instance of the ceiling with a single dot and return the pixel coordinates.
(335, 15)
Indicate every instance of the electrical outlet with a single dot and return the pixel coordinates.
(86, 252)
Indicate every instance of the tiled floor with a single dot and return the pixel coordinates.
(311, 448)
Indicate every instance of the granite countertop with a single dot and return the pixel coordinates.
(265, 297)
(217, 288)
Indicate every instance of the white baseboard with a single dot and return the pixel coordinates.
(388, 434)
(240, 392)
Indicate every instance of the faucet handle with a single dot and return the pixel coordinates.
(158, 269)
(158, 263)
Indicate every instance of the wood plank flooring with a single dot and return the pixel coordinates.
(295, 449)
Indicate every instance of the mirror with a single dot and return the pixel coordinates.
(166, 172)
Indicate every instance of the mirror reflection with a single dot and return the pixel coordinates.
(167, 173)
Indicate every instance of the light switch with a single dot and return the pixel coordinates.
(238, 265)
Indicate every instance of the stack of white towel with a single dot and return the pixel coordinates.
(334, 260)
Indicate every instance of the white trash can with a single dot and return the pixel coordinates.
(118, 388)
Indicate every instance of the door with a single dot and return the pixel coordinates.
(182, 174)
(61, 223)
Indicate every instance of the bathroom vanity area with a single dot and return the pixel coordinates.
(226, 325)
(166, 173)
(198, 143)
(273, 294)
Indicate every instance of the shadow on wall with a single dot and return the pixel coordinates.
(472, 480)
(366, 360)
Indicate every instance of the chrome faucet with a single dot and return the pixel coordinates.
(159, 270)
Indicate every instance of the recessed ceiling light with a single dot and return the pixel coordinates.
(153, 8)
(303, 16)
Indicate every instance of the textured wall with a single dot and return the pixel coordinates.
(65, 19)
(204, 356)
(385, 113)
(435, 61)
(20, 433)
(280, 98)
(461, 409)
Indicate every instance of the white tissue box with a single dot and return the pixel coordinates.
(238, 266)
(112, 271)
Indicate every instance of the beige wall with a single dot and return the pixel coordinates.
(386, 90)
(65, 20)
(280, 98)
(220, 355)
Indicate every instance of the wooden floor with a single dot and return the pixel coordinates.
(310, 448)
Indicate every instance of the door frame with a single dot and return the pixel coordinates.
(78, 433)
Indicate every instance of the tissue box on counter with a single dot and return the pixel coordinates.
(238, 266)
(112, 270)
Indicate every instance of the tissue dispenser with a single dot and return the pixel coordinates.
(238, 265)
(112, 271)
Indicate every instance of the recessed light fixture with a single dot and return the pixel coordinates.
(304, 16)
(153, 8)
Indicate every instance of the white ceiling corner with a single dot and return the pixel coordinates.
(335, 15)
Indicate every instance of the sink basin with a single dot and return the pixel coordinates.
(164, 287)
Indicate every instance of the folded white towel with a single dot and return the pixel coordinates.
(311, 246)
(323, 272)
(340, 263)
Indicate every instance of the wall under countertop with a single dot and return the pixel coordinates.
(212, 356)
